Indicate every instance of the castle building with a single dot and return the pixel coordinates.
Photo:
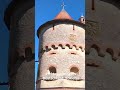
(19, 18)
(102, 45)
(61, 54)
(64, 48)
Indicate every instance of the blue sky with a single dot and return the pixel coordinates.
(46, 10)
(4, 43)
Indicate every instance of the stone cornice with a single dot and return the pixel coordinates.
(103, 49)
(59, 21)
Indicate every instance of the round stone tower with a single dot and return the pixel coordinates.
(61, 54)
(20, 22)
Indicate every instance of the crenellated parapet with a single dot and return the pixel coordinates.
(102, 49)
(63, 46)
(64, 33)
(102, 66)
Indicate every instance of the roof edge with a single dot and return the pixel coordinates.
(52, 22)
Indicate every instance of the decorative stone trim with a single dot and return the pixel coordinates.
(101, 50)
(54, 76)
(63, 46)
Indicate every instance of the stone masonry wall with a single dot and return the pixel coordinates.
(102, 46)
(63, 47)
(23, 69)
(103, 73)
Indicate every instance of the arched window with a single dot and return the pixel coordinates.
(52, 69)
(74, 70)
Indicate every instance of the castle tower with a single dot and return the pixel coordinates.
(102, 45)
(61, 54)
(20, 22)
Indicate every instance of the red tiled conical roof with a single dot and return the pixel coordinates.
(63, 15)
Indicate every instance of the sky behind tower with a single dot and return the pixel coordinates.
(46, 10)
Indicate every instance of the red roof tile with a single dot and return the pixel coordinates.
(63, 15)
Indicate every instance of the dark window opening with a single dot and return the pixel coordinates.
(92, 65)
(74, 70)
(73, 53)
(53, 27)
(28, 51)
(73, 27)
(52, 53)
(52, 69)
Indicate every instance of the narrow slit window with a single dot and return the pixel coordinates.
(74, 53)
